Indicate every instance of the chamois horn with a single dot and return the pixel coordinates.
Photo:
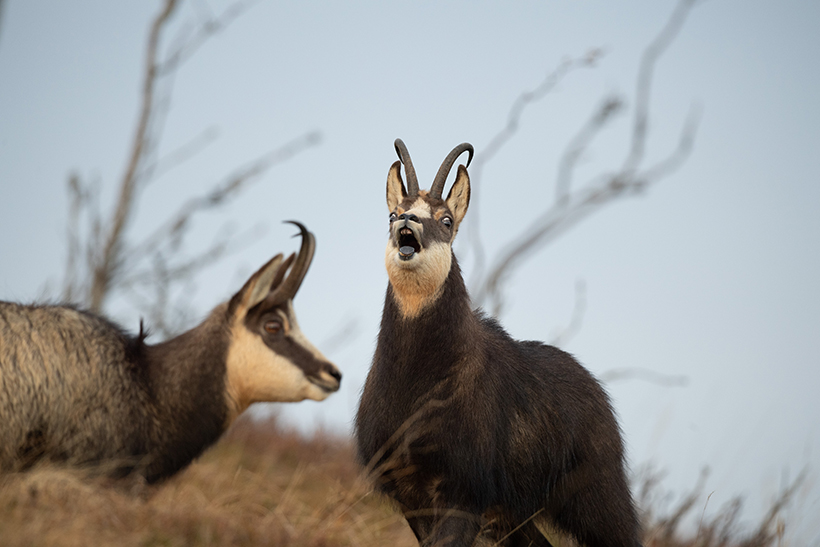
(410, 171)
(287, 289)
(447, 164)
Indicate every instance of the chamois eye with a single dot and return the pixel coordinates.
(392, 217)
(273, 327)
(447, 221)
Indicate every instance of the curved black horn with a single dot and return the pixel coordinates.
(447, 164)
(409, 170)
(287, 290)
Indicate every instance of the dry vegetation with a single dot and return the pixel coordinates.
(263, 485)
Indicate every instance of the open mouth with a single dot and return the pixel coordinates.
(408, 244)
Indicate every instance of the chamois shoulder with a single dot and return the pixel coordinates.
(492, 328)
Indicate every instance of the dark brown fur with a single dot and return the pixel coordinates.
(474, 433)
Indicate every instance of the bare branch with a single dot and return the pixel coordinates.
(571, 207)
(577, 146)
(187, 44)
(2, 10)
(686, 142)
(546, 228)
(644, 86)
(173, 230)
(104, 269)
(76, 198)
(652, 376)
(225, 244)
(182, 154)
(82, 246)
(527, 98)
(166, 272)
(154, 264)
(562, 337)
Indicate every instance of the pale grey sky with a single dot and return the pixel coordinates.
(711, 274)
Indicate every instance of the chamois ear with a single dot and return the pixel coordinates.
(395, 186)
(459, 197)
(256, 288)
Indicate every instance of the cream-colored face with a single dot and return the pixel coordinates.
(269, 359)
(419, 252)
(418, 255)
(278, 366)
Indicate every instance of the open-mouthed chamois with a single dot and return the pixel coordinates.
(474, 434)
(75, 388)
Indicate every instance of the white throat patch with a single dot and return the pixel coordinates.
(417, 282)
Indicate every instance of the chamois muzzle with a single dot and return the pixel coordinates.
(329, 378)
(408, 238)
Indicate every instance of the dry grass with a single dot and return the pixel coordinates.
(261, 485)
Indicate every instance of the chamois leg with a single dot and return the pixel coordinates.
(601, 515)
(432, 528)
(529, 535)
(422, 526)
(454, 528)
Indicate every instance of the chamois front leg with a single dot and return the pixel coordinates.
(416, 510)
(453, 528)
(421, 524)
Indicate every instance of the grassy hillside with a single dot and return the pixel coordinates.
(262, 485)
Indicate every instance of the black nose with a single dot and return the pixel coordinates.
(406, 216)
(333, 371)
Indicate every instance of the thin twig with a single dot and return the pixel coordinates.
(220, 194)
(500, 139)
(104, 270)
(577, 146)
(2, 10)
(702, 515)
(187, 46)
(644, 85)
(562, 337)
(670, 524)
(571, 207)
(667, 380)
(182, 154)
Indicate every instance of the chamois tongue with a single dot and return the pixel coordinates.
(406, 250)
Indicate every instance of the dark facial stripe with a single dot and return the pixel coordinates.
(297, 354)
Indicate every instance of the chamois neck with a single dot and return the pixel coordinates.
(187, 373)
(445, 324)
(201, 347)
(416, 288)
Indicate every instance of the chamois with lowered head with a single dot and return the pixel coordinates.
(473, 433)
(76, 388)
